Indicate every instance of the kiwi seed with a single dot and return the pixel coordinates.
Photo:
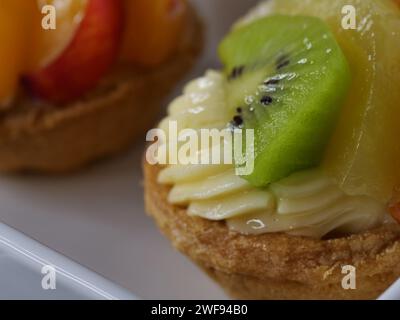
(237, 121)
(271, 82)
(236, 72)
(266, 100)
(282, 62)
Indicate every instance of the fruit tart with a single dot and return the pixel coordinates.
(316, 216)
(81, 79)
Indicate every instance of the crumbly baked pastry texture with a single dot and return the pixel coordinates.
(277, 266)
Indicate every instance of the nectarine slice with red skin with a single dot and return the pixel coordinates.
(90, 55)
(153, 30)
(49, 44)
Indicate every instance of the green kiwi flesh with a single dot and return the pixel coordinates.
(287, 79)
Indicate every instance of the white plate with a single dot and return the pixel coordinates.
(29, 270)
(97, 217)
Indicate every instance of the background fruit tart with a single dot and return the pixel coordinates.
(89, 87)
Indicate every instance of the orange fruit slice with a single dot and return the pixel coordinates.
(152, 30)
(17, 20)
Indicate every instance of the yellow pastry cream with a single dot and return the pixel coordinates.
(308, 203)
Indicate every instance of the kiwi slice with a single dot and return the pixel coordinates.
(287, 79)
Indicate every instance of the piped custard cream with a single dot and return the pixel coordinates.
(307, 203)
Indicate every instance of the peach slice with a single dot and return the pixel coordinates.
(89, 55)
(17, 19)
(152, 30)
